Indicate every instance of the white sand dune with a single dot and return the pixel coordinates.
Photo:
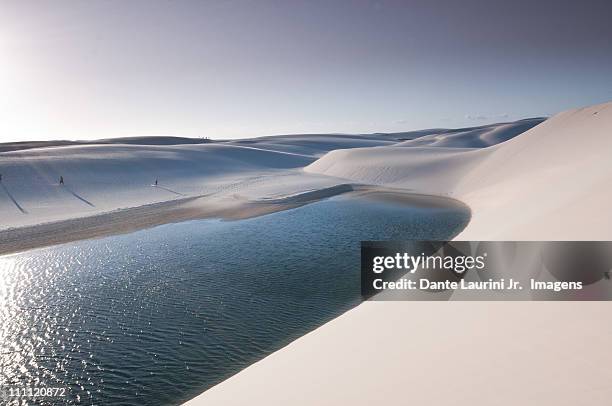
(551, 182)
(428, 170)
(152, 140)
(110, 176)
(101, 178)
(476, 137)
(316, 144)
(436, 353)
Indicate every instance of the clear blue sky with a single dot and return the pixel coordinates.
(229, 69)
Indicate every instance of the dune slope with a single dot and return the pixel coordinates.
(551, 182)
(476, 137)
(101, 178)
(534, 186)
(314, 144)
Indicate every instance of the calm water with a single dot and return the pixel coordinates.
(157, 316)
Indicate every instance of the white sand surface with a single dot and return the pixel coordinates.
(551, 182)
(102, 178)
(316, 145)
(476, 137)
(437, 353)
(118, 174)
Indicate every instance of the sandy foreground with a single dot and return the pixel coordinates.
(551, 182)
(436, 353)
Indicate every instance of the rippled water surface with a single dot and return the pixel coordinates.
(157, 316)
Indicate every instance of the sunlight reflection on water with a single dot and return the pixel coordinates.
(155, 317)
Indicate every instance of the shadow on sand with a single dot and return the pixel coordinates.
(168, 190)
(21, 209)
(78, 197)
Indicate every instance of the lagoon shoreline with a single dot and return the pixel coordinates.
(128, 220)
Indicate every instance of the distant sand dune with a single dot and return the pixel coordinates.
(477, 137)
(112, 174)
(535, 186)
(110, 177)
